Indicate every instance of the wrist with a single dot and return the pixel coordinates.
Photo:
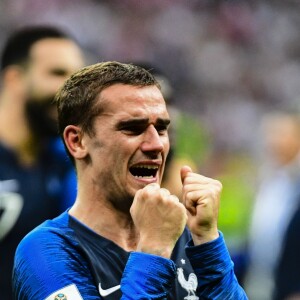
(205, 237)
(160, 249)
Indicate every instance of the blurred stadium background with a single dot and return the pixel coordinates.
(229, 63)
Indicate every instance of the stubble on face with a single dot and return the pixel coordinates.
(120, 131)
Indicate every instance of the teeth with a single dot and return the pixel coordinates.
(145, 171)
(147, 167)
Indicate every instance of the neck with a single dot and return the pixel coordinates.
(114, 225)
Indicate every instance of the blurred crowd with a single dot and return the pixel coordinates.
(230, 64)
(229, 61)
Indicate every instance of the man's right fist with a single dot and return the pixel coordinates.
(159, 218)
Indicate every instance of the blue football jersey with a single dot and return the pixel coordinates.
(64, 259)
(29, 195)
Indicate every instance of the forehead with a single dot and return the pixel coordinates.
(128, 101)
(57, 52)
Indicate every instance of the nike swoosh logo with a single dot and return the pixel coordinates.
(109, 291)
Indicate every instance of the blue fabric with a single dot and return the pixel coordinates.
(29, 195)
(64, 252)
(214, 269)
(135, 285)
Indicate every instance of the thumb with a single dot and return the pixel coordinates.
(184, 172)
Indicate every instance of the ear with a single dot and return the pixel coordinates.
(74, 142)
(12, 76)
(12, 73)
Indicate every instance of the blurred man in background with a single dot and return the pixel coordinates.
(276, 202)
(35, 62)
(287, 273)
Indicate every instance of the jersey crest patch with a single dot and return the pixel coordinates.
(190, 284)
(69, 292)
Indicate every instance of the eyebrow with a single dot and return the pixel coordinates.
(142, 122)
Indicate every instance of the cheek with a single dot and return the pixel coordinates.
(51, 85)
(166, 143)
(41, 87)
(48, 84)
(112, 168)
(107, 154)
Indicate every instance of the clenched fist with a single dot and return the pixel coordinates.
(201, 197)
(160, 219)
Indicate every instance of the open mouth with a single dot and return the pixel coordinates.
(144, 171)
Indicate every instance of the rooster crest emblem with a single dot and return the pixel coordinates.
(189, 285)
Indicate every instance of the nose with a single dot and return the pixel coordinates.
(153, 141)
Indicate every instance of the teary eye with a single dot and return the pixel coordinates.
(134, 130)
(161, 129)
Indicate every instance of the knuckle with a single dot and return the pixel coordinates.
(185, 189)
(219, 184)
(164, 192)
(213, 192)
(150, 188)
(173, 198)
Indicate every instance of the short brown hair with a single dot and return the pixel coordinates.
(76, 100)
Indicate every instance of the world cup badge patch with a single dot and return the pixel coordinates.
(60, 296)
(69, 292)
